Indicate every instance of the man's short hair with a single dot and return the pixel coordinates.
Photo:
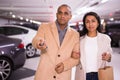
(65, 6)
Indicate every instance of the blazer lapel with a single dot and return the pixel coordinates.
(82, 51)
(99, 43)
(99, 60)
(55, 34)
(66, 37)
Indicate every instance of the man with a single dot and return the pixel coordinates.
(59, 45)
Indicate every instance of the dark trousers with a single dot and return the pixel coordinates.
(92, 76)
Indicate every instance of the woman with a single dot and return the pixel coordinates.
(94, 47)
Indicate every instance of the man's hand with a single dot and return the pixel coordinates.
(59, 68)
(41, 44)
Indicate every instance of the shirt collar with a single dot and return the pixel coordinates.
(58, 26)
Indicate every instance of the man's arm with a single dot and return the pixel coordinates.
(39, 41)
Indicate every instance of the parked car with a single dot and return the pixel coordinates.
(12, 55)
(113, 30)
(24, 33)
(29, 25)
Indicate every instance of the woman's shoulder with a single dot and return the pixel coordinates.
(105, 36)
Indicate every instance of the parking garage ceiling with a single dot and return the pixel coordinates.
(45, 10)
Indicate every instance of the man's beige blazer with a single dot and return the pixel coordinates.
(56, 53)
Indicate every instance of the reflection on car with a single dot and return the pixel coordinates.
(24, 33)
(113, 30)
(12, 55)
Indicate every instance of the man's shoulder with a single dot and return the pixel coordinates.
(44, 24)
(73, 30)
(47, 24)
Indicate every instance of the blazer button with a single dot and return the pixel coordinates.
(54, 76)
(58, 55)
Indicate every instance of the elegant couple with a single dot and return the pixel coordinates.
(63, 48)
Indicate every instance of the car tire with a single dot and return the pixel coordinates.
(5, 68)
(30, 51)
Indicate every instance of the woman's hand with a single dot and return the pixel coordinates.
(106, 56)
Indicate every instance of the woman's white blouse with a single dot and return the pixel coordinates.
(91, 50)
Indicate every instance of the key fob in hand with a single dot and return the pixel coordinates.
(41, 44)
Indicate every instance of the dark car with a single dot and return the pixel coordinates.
(113, 30)
(12, 56)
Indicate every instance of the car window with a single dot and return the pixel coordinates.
(12, 31)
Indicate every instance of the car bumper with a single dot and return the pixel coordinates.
(19, 58)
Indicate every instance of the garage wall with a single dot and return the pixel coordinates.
(5, 21)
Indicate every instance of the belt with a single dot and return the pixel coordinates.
(92, 73)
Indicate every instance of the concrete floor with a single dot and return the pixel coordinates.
(28, 70)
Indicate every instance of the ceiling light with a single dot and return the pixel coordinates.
(27, 19)
(111, 19)
(103, 1)
(36, 22)
(21, 18)
(31, 21)
(13, 16)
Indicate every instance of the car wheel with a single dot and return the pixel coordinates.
(30, 51)
(5, 68)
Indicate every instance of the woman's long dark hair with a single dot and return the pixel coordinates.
(85, 31)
